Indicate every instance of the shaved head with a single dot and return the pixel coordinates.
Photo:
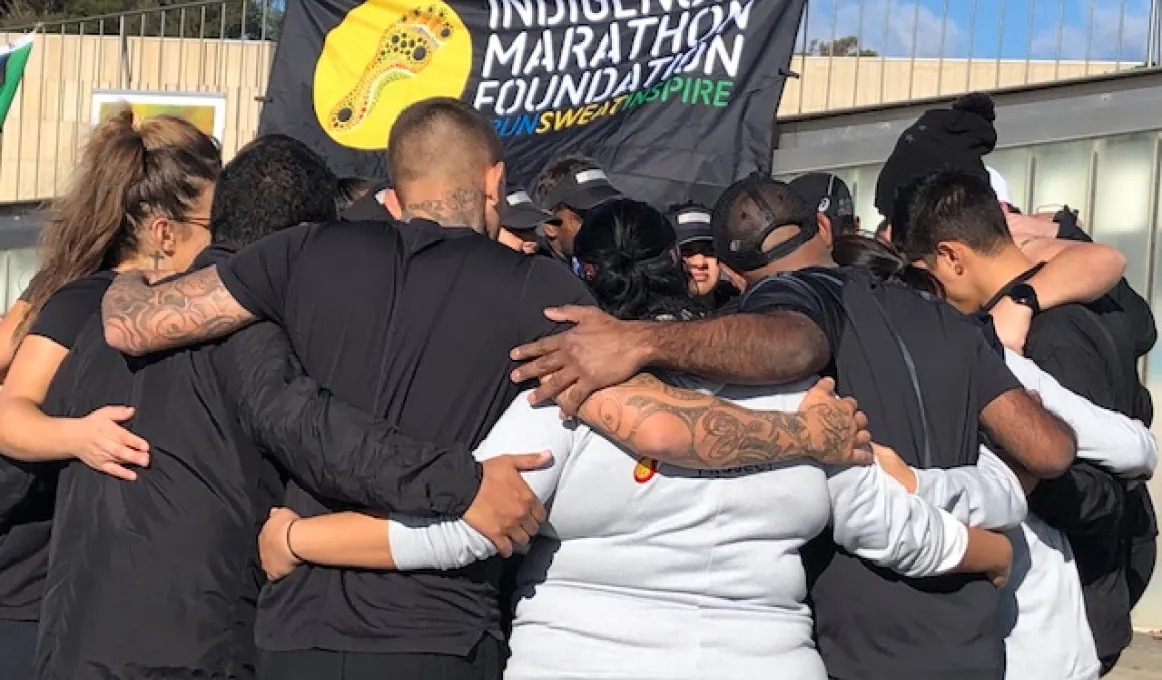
(446, 164)
(441, 139)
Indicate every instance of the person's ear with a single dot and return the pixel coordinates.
(953, 255)
(494, 185)
(163, 232)
(825, 232)
(391, 203)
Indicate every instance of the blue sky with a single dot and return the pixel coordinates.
(1011, 29)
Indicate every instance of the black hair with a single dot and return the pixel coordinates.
(948, 205)
(627, 252)
(273, 183)
(556, 172)
(884, 262)
(351, 189)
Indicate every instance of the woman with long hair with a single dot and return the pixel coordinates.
(1042, 607)
(644, 570)
(140, 199)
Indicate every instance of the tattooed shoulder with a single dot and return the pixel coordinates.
(140, 318)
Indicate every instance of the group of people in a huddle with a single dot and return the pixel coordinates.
(259, 421)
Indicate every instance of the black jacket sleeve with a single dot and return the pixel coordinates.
(1086, 500)
(1140, 318)
(331, 448)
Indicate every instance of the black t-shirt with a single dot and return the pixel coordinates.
(413, 323)
(27, 524)
(67, 311)
(872, 623)
(367, 208)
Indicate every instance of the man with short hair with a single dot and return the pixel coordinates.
(893, 351)
(959, 137)
(833, 200)
(428, 353)
(569, 188)
(957, 229)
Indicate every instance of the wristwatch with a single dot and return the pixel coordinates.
(1024, 294)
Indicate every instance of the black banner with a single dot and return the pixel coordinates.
(675, 98)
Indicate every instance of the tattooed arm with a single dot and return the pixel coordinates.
(141, 318)
(693, 430)
(210, 303)
(715, 434)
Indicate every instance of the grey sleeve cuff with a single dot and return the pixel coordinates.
(418, 543)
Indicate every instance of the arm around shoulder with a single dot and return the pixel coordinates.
(140, 318)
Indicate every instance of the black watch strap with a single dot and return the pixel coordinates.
(1024, 294)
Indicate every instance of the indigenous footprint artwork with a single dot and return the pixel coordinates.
(405, 50)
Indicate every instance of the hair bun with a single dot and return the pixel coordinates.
(979, 103)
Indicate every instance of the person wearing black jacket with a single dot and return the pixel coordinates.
(159, 575)
(958, 230)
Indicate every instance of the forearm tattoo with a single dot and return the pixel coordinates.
(709, 433)
(141, 318)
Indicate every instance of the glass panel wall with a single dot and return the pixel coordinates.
(1114, 184)
(17, 267)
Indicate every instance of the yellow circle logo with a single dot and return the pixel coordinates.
(383, 56)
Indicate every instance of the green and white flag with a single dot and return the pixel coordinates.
(13, 59)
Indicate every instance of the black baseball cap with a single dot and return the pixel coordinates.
(582, 190)
(519, 213)
(692, 223)
(827, 193)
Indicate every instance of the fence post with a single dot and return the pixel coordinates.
(125, 76)
(1154, 40)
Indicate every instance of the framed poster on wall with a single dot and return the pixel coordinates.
(207, 111)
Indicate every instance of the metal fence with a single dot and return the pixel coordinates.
(221, 47)
(867, 52)
(849, 53)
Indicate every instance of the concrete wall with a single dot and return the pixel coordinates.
(50, 118)
(829, 84)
